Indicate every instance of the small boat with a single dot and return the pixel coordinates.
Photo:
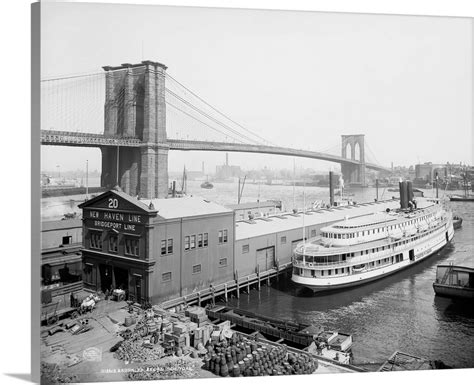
(207, 185)
(458, 198)
(457, 222)
(454, 281)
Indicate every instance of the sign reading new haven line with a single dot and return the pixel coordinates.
(114, 220)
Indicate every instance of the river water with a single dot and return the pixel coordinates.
(400, 312)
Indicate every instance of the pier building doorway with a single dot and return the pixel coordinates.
(121, 278)
(266, 258)
(105, 272)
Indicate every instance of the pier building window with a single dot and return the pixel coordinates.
(67, 240)
(222, 235)
(222, 262)
(283, 240)
(131, 246)
(186, 242)
(245, 249)
(205, 240)
(166, 246)
(113, 243)
(199, 240)
(193, 241)
(313, 233)
(96, 240)
(166, 277)
(196, 269)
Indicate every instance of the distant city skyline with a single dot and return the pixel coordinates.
(403, 81)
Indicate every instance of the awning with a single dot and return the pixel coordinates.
(61, 259)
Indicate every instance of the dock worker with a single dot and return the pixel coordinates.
(213, 294)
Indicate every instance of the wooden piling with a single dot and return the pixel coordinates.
(258, 277)
(237, 282)
(225, 291)
(199, 298)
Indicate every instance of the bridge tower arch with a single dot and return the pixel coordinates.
(353, 173)
(135, 107)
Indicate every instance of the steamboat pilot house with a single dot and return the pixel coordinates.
(368, 247)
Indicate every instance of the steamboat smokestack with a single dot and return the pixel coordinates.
(410, 191)
(403, 194)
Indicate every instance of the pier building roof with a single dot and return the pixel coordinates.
(251, 205)
(290, 221)
(185, 207)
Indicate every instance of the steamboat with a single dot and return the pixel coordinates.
(365, 248)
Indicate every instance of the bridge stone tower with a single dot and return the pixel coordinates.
(135, 107)
(353, 148)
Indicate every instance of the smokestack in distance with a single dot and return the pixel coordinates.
(331, 188)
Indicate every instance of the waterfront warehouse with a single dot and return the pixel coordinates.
(156, 249)
(61, 262)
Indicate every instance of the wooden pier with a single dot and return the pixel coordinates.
(224, 290)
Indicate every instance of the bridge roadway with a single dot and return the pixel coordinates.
(81, 139)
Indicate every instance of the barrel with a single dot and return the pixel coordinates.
(207, 362)
(246, 362)
(241, 366)
(236, 371)
(224, 372)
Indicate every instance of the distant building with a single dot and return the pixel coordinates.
(424, 171)
(226, 171)
(156, 249)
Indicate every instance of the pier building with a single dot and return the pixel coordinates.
(156, 249)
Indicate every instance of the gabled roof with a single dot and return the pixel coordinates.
(125, 202)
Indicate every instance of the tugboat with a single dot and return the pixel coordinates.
(454, 281)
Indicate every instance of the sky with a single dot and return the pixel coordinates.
(298, 79)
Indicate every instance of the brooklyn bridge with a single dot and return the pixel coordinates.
(136, 113)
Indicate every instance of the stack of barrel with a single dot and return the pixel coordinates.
(239, 356)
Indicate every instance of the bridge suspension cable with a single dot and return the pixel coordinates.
(211, 118)
(200, 121)
(254, 137)
(371, 158)
(73, 103)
